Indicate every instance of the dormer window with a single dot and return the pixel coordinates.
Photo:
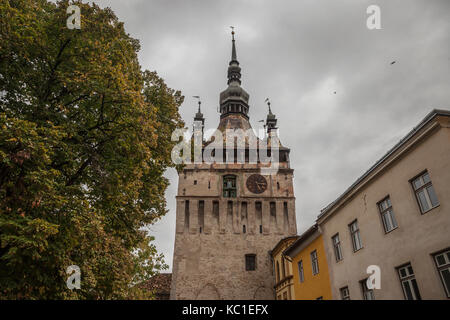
(229, 186)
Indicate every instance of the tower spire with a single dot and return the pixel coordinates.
(268, 103)
(234, 99)
(233, 49)
(199, 119)
(234, 71)
(199, 114)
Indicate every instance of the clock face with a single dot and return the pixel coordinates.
(256, 183)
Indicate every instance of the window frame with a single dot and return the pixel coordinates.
(343, 296)
(337, 247)
(445, 266)
(424, 186)
(352, 233)
(301, 271)
(387, 211)
(278, 275)
(247, 265)
(314, 262)
(232, 178)
(408, 278)
(283, 267)
(365, 290)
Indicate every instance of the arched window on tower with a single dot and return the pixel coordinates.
(229, 186)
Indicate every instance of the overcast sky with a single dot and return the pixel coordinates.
(298, 53)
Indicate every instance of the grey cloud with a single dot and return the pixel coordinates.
(299, 53)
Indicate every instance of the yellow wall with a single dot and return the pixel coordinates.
(283, 285)
(314, 286)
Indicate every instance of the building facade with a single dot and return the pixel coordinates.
(308, 261)
(397, 217)
(283, 272)
(230, 215)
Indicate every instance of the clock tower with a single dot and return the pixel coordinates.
(231, 213)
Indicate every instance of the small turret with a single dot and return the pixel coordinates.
(271, 120)
(199, 119)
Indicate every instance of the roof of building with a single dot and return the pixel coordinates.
(304, 236)
(280, 242)
(159, 283)
(430, 116)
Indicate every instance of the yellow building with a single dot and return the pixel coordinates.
(283, 270)
(306, 255)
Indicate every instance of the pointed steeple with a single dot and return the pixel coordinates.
(199, 120)
(234, 71)
(234, 100)
(233, 49)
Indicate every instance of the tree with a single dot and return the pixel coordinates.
(84, 142)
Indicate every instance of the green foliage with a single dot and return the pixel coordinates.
(84, 142)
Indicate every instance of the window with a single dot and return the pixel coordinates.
(250, 262)
(337, 247)
(285, 295)
(278, 272)
(387, 215)
(367, 293)
(229, 186)
(408, 282)
(443, 265)
(314, 262)
(345, 293)
(356, 237)
(426, 197)
(186, 215)
(301, 275)
(201, 215)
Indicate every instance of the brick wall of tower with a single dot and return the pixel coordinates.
(210, 241)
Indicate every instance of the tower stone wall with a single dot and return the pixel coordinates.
(213, 233)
